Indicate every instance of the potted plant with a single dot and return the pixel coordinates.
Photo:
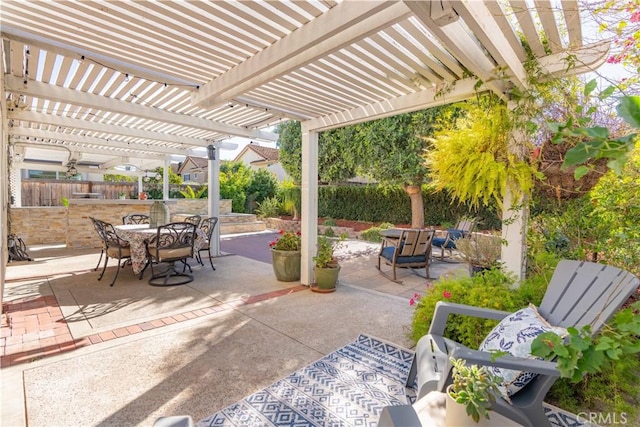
(123, 195)
(326, 268)
(471, 394)
(480, 251)
(285, 256)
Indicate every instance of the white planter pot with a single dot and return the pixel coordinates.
(456, 415)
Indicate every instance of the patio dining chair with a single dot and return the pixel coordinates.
(172, 242)
(193, 219)
(448, 242)
(135, 219)
(411, 250)
(580, 293)
(112, 247)
(207, 225)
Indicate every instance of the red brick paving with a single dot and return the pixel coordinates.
(37, 329)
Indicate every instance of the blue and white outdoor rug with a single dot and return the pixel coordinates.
(348, 387)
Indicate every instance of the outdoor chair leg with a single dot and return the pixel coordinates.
(117, 272)
(104, 268)
(210, 259)
(99, 261)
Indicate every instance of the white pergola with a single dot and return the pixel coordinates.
(110, 83)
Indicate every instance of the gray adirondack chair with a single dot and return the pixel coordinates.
(580, 293)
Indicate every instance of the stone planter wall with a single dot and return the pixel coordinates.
(294, 226)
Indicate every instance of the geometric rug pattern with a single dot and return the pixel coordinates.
(348, 387)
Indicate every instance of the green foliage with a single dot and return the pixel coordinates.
(262, 186)
(109, 177)
(288, 241)
(325, 257)
(472, 160)
(329, 232)
(596, 142)
(370, 203)
(290, 148)
(291, 198)
(235, 178)
(65, 202)
(491, 289)
(268, 208)
(474, 387)
(329, 222)
(373, 234)
(602, 225)
(581, 354)
(189, 193)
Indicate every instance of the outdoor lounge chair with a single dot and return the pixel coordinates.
(448, 241)
(411, 250)
(207, 225)
(580, 293)
(112, 246)
(172, 242)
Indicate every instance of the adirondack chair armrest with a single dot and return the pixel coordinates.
(483, 358)
(444, 309)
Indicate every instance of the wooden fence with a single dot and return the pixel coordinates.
(51, 192)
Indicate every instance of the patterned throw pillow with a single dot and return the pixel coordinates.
(514, 335)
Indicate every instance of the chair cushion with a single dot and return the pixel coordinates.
(439, 242)
(514, 335)
(387, 253)
(174, 253)
(112, 251)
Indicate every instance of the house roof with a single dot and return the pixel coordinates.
(191, 162)
(129, 83)
(266, 153)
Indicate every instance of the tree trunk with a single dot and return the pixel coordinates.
(417, 207)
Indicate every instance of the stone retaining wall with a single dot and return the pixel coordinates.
(294, 226)
(42, 225)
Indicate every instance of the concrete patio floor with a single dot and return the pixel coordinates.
(93, 355)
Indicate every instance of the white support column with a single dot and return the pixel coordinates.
(4, 191)
(165, 178)
(213, 183)
(140, 185)
(514, 217)
(514, 234)
(15, 184)
(309, 212)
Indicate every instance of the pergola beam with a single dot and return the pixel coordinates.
(427, 98)
(76, 97)
(483, 24)
(341, 26)
(93, 145)
(55, 120)
(452, 34)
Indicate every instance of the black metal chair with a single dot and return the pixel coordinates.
(135, 219)
(172, 242)
(193, 219)
(207, 225)
(112, 246)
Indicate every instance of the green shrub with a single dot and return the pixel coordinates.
(329, 232)
(268, 208)
(330, 222)
(373, 234)
(490, 289)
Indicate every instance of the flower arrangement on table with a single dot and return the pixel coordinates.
(288, 241)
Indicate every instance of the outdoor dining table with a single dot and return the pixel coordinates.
(136, 234)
